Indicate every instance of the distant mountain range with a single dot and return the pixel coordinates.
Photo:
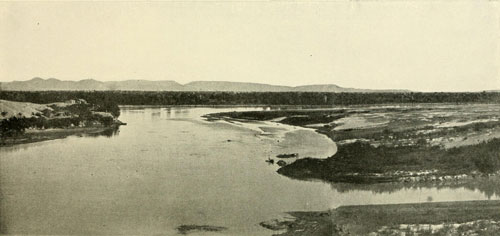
(39, 84)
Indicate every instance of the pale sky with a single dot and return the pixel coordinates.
(422, 46)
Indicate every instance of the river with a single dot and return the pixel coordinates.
(170, 167)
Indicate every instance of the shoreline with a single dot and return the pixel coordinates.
(25, 122)
(34, 136)
(361, 162)
(279, 131)
(441, 218)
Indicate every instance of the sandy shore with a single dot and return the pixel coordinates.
(307, 142)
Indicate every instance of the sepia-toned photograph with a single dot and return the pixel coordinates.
(250, 118)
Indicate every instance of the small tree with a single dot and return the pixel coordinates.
(12, 126)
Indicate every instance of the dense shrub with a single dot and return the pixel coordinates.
(363, 158)
(488, 161)
(12, 126)
(108, 106)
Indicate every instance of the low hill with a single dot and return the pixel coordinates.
(337, 89)
(39, 84)
(145, 85)
(234, 86)
(23, 109)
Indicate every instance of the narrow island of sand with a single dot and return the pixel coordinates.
(23, 122)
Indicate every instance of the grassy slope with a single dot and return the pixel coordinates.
(9, 109)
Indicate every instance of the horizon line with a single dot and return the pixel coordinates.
(228, 81)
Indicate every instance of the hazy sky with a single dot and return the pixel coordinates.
(426, 46)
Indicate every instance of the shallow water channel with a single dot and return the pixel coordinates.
(170, 167)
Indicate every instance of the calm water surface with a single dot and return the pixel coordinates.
(170, 167)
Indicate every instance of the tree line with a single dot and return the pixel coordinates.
(109, 99)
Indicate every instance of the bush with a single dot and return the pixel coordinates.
(110, 107)
(13, 126)
(488, 162)
(104, 120)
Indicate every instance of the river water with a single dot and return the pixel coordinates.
(170, 167)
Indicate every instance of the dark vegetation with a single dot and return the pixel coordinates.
(291, 117)
(364, 159)
(15, 126)
(12, 127)
(60, 117)
(246, 98)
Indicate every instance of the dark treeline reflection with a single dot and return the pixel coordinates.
(108, 132)
(247, 98)
(489, 186)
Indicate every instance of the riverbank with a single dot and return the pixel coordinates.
(440, 218)
(403, 143)
(22, 122)
(33, 136)
(363, 163)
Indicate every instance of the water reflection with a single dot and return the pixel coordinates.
(156, 115)
(109, 132)
(488, 186)
(168, 112)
